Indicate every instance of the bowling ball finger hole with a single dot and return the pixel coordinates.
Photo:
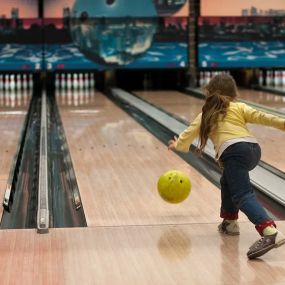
(110, 2)
(181, 181)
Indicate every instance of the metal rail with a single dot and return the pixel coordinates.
(43, 203)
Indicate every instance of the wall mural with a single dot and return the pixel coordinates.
(93, 34)
(242, 34)
(20, 35)
(116, 34)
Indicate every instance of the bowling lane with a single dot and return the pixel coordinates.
(263, 98)
(117, 163)
(187, 107)
(13, 109)
(181, 254)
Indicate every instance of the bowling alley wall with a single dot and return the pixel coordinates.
(103, 35)
(93, 34)
(115, 34)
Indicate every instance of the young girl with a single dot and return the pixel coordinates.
(223, 120)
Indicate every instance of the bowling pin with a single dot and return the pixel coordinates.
(260, 78)
(268, 78)
(18, 82)
(276, 77)
(202, 79)
(62, 81)
(92, 81)
(7, 82)
(207, 77)
(12, 82)
(25, 82)
(283, 78)
(75, 81)
(69, 81)
(86, 80)
(81, 81)
(57, 83)
(1, 82)
(31, 82)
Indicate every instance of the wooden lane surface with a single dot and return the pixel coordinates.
(10, 128)
(187, 107)
(117, 164)
(264, 98)
(181, 254)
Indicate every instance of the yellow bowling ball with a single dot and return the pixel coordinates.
(174, 186)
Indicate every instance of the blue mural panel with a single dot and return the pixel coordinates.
(21, 44)
(241, 42)
(242, 54)
(116, 43)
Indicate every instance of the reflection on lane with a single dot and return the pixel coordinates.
(14, 99)
(263, 98)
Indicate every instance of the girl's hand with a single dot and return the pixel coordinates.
(172, 144)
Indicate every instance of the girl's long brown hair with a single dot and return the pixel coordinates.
(219, 92)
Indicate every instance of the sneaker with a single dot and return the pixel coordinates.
(265, 244)
(229, 228)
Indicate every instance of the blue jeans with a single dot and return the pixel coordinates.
(236, 190)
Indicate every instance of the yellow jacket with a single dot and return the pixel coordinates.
(231, 127)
